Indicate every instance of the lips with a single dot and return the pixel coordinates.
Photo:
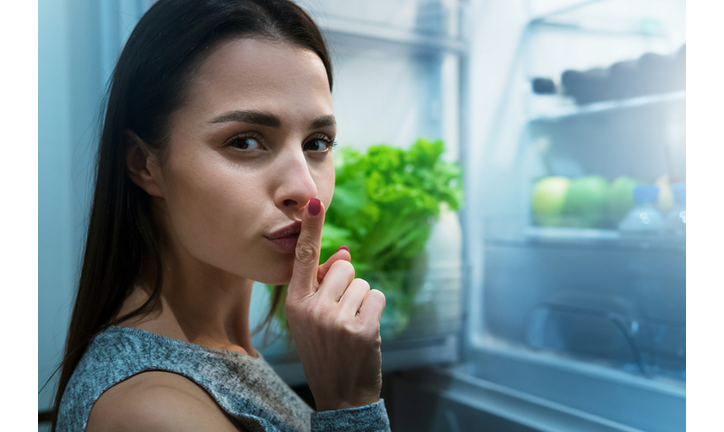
(285, 238)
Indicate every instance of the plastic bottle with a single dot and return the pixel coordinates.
(645, 218)
(438, 272)
(676, 217)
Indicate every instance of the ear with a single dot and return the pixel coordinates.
(142, 165)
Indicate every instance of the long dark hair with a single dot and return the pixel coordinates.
(149, 83)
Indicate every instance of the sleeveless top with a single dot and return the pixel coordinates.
(246, 387)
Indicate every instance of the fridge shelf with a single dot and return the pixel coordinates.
(603, 237)
(568, 109)
(510, 232)
(645, 18)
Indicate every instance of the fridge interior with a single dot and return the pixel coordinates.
(573, 310)
(574, 326)
(577, 319)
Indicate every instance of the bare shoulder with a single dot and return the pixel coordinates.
(158, 401)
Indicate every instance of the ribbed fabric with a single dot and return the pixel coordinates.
(246, 387)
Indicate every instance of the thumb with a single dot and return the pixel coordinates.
(306, 260)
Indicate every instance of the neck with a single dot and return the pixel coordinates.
(198, 304)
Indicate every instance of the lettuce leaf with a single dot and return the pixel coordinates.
(385, 204)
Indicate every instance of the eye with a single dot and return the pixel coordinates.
(246, 143)
(319, 145)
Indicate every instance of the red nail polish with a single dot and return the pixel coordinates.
(343, 247)
(314, 206)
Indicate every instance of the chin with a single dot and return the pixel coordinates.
(274, 281)
(276, 275)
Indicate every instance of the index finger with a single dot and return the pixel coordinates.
(306, 260)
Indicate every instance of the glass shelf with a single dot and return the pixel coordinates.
(507, 232)
(642, 17)
(566, 108)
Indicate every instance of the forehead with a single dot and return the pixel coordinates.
(260, 74)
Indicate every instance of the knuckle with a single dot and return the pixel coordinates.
(306, 253)
(319, 313)
(355, 332)
(344, 326)
(363, 284)
(343, 267)
(359, 332)
(380, 295)
(370, 338)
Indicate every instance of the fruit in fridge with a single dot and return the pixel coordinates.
(585, 203)
(548, 199)
(621, 198)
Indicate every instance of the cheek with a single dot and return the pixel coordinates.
(211, 211)
(216, 216)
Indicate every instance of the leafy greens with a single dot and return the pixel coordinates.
(385, 204)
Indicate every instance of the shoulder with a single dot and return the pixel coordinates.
(158, 401)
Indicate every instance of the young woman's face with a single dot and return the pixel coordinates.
(248, 150)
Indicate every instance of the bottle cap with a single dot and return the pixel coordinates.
(679, 190)
(646, 194)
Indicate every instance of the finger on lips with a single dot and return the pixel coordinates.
(306, 262)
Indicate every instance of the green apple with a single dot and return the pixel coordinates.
(621, 198)
(549, 196)
(585, 205)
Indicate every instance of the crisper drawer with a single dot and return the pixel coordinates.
(454, 400)
(616, 306)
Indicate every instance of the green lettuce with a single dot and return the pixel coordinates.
(385, 204)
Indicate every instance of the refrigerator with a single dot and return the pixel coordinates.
(521, 321)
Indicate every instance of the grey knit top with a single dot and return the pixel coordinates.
(245, 387)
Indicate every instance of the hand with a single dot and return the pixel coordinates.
(334, 320)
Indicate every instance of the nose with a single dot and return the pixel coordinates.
(296, 186)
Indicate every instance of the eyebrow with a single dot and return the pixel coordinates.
(323, 121)
(267, 119)
(255, 117)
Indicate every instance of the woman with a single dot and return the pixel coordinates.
(214, 171)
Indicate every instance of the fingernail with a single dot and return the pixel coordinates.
(314, 206)
(343, 247)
